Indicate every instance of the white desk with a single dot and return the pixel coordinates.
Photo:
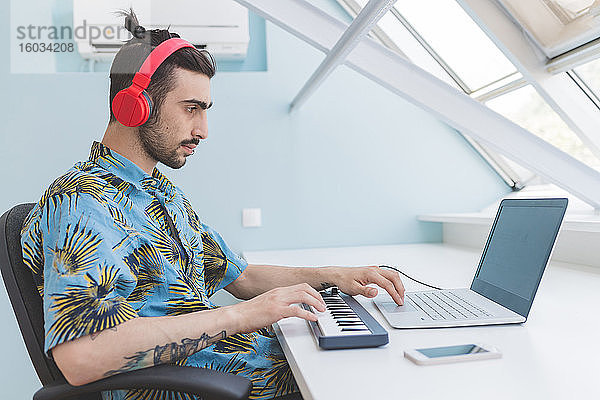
(545, 358)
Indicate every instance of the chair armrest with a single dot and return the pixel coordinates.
(209, 384)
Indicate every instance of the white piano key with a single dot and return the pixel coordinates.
(329, 327)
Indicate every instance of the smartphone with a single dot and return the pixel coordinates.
(449, 354)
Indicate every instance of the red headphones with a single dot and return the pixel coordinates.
(132, 106)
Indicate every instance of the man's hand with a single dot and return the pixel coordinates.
(257, 280)
(354, 280)
(276, 304)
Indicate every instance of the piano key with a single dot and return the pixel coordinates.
(340, 326)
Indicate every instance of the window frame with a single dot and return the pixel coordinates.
(495, 161)
(576, 87)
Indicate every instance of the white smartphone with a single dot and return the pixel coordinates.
(449, 354)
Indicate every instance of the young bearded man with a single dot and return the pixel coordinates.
(126, 268)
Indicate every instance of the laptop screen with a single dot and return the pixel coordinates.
(518, 250)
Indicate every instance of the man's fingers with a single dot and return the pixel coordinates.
(310, 300)
(364, 290)
(382, 281)
(297, 311)
(305, 287)
(357, 288)
(395, 278)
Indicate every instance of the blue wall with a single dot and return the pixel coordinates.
(354, 166)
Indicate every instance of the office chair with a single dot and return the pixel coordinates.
(27, 305)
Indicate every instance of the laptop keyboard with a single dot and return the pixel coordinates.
(446, 306)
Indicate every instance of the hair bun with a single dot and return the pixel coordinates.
(132, 25)
(139, 32)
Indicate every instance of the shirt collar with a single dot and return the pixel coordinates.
(128, 171)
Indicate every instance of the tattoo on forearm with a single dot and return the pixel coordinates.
(168, 354)
(135, 361)
(173, 352)
(94, 335)
(326, 285)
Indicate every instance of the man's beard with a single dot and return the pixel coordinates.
(152, 137)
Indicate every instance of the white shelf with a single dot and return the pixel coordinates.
(572, 222)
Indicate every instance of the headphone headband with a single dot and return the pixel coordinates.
(132, 106)
(160, 54)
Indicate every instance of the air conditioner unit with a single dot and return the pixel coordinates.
(219, 26)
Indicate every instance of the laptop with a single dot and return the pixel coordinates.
(514, 258)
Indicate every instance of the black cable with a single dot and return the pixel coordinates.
(409, 277)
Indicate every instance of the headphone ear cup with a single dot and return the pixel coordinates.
(131, 109)
(149, 101)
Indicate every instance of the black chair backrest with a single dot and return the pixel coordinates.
(23, 293)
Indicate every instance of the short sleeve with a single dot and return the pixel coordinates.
(221, 265)
(85, 281)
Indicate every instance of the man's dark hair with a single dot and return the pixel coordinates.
(132, 54)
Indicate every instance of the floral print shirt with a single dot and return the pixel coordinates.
(102, 251)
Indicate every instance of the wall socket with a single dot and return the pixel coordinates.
(251, 218)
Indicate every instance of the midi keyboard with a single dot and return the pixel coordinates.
(345, 323)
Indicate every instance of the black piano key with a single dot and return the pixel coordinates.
(348, 316)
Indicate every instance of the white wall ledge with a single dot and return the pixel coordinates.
(572, 222)
(577, 241)
(580, 217)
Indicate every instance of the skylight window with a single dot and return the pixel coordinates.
(458, 40)
(455, 49)
(568, 11)
(526, 108)
(451, 38)
(590, 74)
(450, 46)
(402, 40)
(557, 26)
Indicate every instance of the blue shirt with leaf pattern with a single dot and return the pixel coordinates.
(99, 248)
